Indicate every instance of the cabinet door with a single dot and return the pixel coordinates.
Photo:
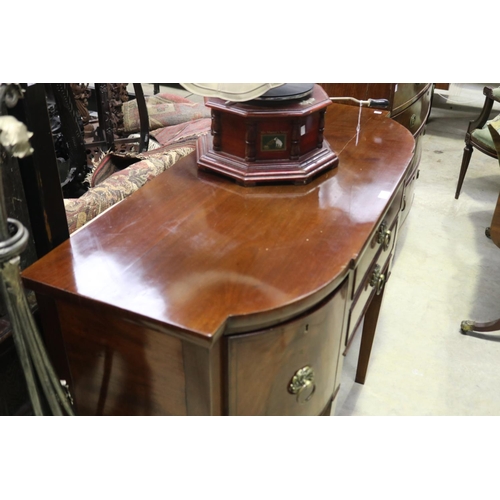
(120, 367)
(262, 365)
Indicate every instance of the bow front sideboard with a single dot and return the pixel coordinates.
(199, 296)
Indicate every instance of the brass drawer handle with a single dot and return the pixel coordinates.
(302, 384)
(377, 280)
(384, 236)
(413, 119)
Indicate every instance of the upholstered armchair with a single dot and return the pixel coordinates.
(478, 134)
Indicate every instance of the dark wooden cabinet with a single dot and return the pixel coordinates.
(199, 296)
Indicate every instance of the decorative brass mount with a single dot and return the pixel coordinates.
(384, 236)
(302, 384)
(377, 280)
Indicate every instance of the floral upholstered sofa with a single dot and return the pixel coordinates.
(175, 123)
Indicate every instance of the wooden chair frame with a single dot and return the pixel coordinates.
(471, 143)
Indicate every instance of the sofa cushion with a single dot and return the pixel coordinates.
(483, 135)
(185, 133)
(119, 185)
(163, 110)
(167, 138)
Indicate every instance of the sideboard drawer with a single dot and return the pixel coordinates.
(262, 365)
(410, 183)
(405, 94)
(415, 116)
(372, 282)
(382, 239)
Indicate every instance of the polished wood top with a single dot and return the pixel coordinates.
(196, 254)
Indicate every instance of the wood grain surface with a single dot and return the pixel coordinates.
(196, 254)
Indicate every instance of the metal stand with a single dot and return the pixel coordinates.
(37, 368)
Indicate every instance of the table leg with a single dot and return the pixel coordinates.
(368, 334)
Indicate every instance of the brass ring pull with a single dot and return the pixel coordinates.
(387, 239)
(377, 280)
(403, 208)
(302, 384)
(384, 236)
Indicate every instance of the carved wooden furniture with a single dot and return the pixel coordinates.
(107, 131)
(37, 224)
(475, 140)
(200, 296)
(35, 198)
(41, 211)
(39, 173)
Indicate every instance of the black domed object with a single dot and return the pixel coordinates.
(287, 92)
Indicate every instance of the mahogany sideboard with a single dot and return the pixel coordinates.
(199, 296)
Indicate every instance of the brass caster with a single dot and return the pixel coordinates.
(466, 326)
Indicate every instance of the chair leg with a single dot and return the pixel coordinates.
(473, 326)
(463, 169)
